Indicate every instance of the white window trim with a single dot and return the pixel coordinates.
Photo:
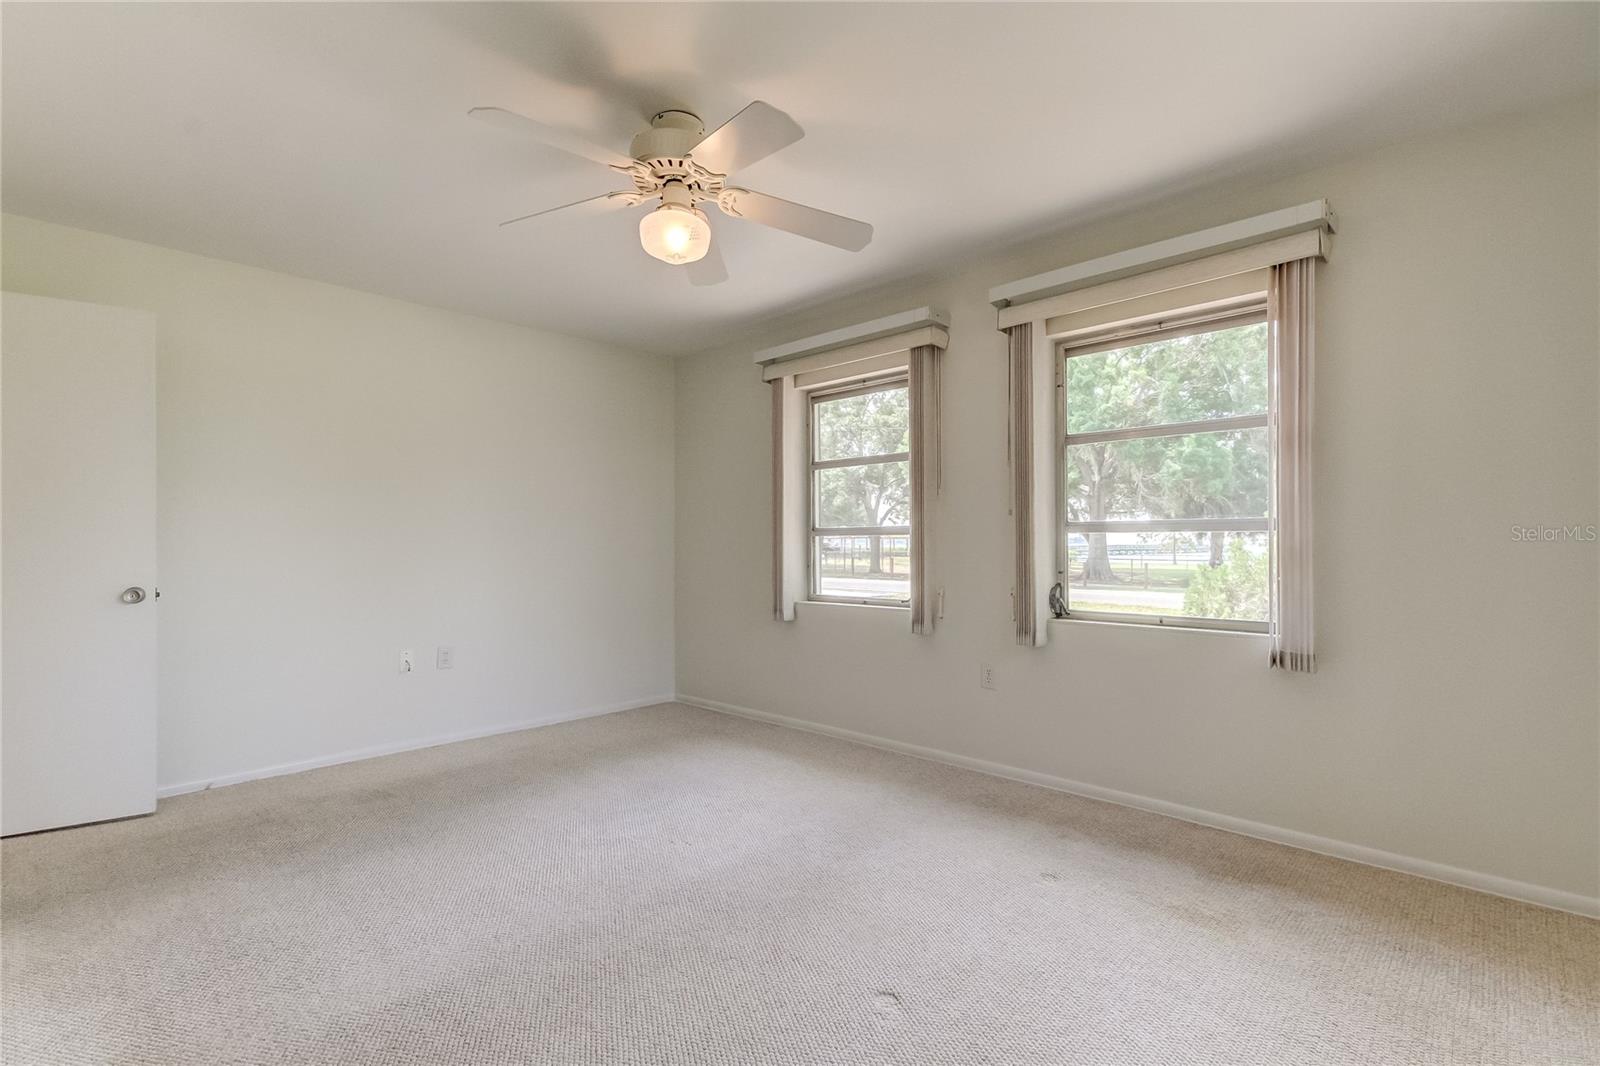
(891, 379)
(1174, 322)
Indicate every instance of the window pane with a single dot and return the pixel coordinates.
(1193, 475)
(878, 494)
(1180, 379)
(1193, 575)
(863, 568)
(872, 423)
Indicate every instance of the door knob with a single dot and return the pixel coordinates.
(133, 595)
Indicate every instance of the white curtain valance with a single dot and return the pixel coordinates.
(1250, 234)
(1144, 312)
(1309, 245)
(859, 352)
(862, 370)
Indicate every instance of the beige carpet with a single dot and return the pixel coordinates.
(674, 886)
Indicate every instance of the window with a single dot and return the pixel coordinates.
(1167, 473)
(860, 528)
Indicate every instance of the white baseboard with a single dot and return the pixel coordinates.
(166, 791)
(1556, 899)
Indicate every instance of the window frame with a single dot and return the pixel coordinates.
(1180, 322)
(899, 378)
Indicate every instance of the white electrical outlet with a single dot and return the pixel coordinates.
(986, 675)
(446, 657)
(408, 662)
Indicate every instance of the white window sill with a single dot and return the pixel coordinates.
(1171, 626)
(851, 606)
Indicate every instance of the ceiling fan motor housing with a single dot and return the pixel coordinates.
(661, 159)
(672, 134)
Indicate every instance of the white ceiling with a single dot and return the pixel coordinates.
(331, 140)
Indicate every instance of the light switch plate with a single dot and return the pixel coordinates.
(446, 657)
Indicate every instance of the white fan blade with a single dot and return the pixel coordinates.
(593, 205)
(709, 269)
(754, 133)
(798, 219)
(570, 143)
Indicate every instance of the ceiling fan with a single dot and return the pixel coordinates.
(676, 164)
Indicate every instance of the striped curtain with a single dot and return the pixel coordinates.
(1291, 316)
(779, 610)
(1020, 448)
(926, 478)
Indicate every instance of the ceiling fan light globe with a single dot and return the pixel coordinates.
(675, 234)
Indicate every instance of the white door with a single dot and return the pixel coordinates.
(77, 551)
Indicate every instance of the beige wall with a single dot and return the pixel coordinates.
(344, 475)
(1455, 718)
